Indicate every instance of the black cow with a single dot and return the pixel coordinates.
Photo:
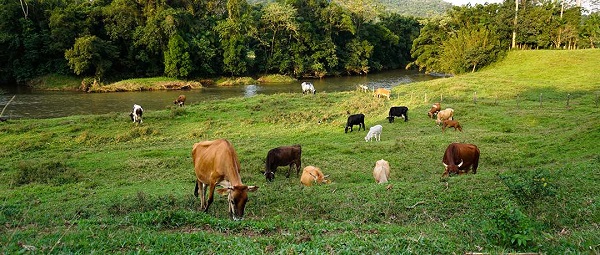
(283, 156)
(355, 119)
(398, 111)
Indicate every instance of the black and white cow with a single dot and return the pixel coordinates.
(355, 119)
(308, 88)
(398, 111)
(136, 114)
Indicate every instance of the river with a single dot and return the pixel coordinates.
(52, 104)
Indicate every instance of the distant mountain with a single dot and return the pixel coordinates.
(416, 8)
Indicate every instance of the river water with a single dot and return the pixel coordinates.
(51, 104)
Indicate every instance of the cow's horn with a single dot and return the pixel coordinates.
(460, 164)
(444, 164)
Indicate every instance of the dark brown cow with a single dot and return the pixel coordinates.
(435, 108)
(451, 123)
(460, 156)
(283, 156)
(216, 163)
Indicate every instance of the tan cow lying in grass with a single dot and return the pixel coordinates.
(311, 175)
(381, 172)
(447, 114)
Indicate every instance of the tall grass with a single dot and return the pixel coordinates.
(121, 188)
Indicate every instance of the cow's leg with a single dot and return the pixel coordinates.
(211, 192)
(287, 175)
(203, 196)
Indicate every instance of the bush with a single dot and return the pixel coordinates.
(529, 186)
(511, 227)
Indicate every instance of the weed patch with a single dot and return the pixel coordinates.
(50, 172)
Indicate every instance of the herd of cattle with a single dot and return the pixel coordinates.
(216, 163)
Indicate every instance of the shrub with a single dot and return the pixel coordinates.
(511, 227)
(529, 186)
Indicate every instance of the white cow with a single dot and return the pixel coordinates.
(136, 114)
(374, 131)
(308, 87)
(381, 172)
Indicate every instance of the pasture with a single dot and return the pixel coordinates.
(100, 184)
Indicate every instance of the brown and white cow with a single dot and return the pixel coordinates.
(435, 108)
(283, 156)
(451, 123)
(459, 157)
(446, 114)
(216, 163)
(381, 171)
(180, 101)
(312, 174)
(382, 92)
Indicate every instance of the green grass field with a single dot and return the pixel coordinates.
(100, 184)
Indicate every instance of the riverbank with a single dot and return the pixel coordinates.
(100, 184)
(70, 83)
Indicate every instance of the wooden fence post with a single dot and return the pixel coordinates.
(425, 97)
(540, 99)
(568, 99)
(441, 98)
(475, 97)
(518, 102)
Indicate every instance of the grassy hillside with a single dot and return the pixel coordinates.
(99, 184)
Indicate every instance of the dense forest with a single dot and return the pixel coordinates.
(117, 39)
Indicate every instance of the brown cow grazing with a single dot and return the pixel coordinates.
(451, 123)
(446, 114)
(311, 175)
(460, 156)
(180, 100)
(382, 92)
(381, 172)
(435, 108)
(283, 156)
(216, 163)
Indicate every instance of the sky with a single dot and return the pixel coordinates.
(473, 2)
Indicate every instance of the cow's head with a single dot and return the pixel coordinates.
(237, 196)
(269, 175)
(390, 119)
(451, 168)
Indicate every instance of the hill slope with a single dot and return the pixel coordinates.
(99, 184)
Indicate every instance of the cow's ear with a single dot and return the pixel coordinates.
(252, 188)
(224, 191)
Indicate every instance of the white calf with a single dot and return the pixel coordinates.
(374, 131)
(381, 172)
(308, 87)
(136, 114)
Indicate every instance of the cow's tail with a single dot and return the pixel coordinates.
(196, 189)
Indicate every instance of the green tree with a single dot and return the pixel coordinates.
(177, 58)
(590, 31)
(91, 54)
(279, 30)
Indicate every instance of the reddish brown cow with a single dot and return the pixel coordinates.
(283, 156)
(180, 100)
(216, 163)
(451, 123)
(435, 108)
(460, 156)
